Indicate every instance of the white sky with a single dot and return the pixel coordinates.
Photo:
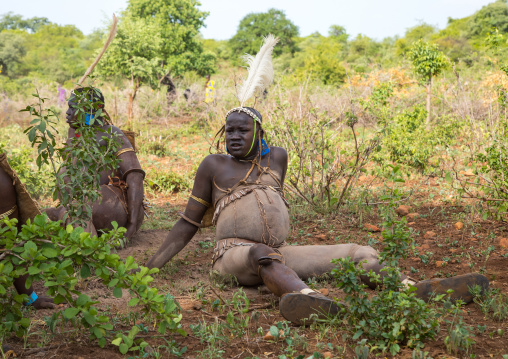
(375, 18)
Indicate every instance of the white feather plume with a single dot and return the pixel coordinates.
(260, 71)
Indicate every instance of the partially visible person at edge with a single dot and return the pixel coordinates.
(61, 95)
(245, 190)
(210, 90)
(121, 188)
(17, 203)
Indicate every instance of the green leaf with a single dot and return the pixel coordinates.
(31, 247)
(49, 252)
(135, 330)
(85, 271)
(124, 348)
(82, 300)
(133, 302)
(274, 331)
(448, 177)
(116, 341)
(99, 333)
(70, 313)
(117, 292)
(33, 270)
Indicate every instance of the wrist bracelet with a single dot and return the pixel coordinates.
(31, 298)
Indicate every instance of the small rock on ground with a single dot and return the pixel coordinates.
(372, 228)
(429, 234)
(403, 210)
(413, 216)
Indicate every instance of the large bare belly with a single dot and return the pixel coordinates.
(259, 216)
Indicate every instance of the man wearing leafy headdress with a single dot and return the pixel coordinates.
(244, 190)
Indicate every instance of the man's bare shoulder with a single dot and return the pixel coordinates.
(214, 160)
(279, 153)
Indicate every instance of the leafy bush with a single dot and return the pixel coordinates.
(154, 148)
(409, 142)
(322, 167)
(60, 257)
(394, 316)
(495, 168)
(168, 181)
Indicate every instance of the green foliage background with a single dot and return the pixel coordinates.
(35, 48)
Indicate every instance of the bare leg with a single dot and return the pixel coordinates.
(309, 261)
(313, 261)
(260, 263)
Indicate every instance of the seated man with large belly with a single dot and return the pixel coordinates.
(17, 203)
(121, 188)
(252, 223)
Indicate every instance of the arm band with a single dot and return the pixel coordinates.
(128, 149)
(31, 298)
(202, 201)
(189, 220)
(139, 170)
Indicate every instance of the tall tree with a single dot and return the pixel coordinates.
(136, 53)
(428, 62)
(178, 23)
(11, 51)
(338, 33)
(322, 61)
(54, 52)
(253, 27)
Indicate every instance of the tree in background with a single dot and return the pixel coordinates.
(323, 62)
(11, 51)
(136, 54)
(253, 27)
(338, 33)
(422, 31)
(10, 21)
(428, 62)
(494, 15)
(178, 23)
(157, 39)
(56, 53)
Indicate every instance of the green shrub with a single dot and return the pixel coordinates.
(168, 181)
(495, 169)
(61, 257)
(154, 148)
(409, 142)
(394, 316)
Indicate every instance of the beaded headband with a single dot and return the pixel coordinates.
(244, 110)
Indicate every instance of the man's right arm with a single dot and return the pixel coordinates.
(183, 231)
